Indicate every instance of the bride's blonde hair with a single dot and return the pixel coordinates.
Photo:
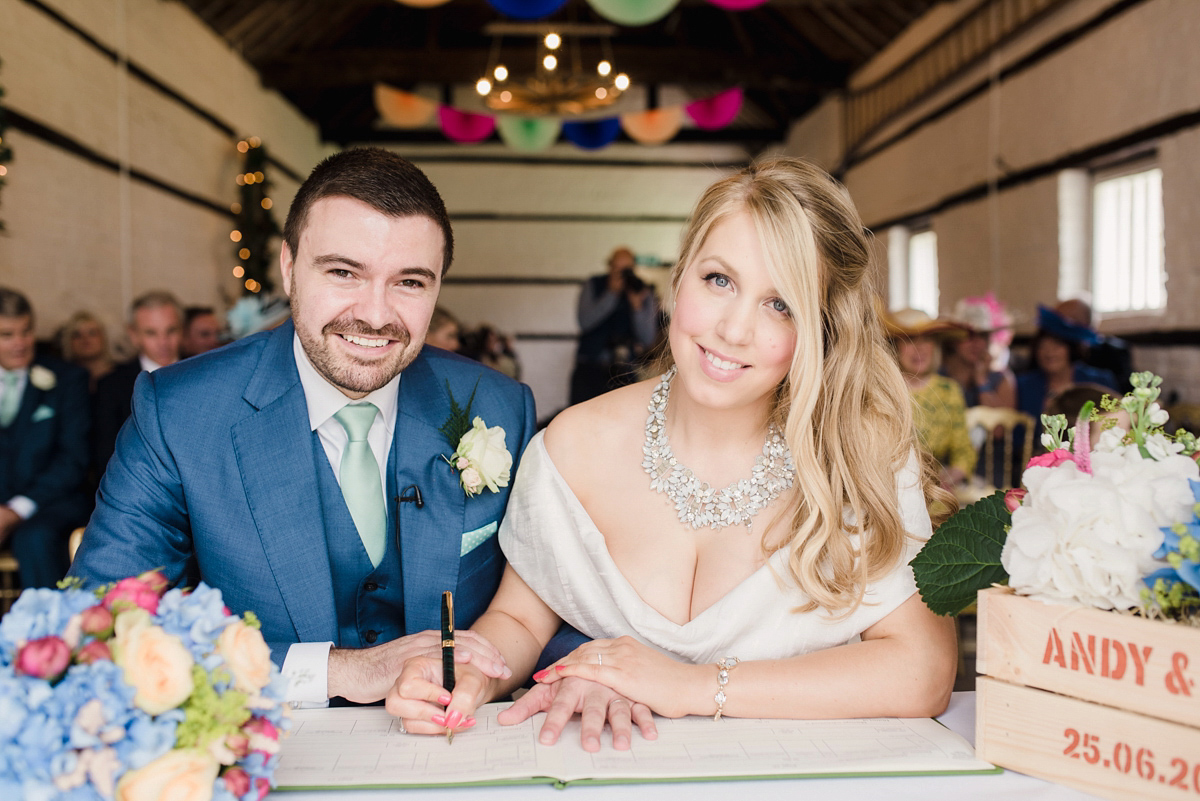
(843, 406)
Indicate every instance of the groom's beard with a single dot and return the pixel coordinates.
(353, 372)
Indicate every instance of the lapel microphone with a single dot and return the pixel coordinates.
(412, 494)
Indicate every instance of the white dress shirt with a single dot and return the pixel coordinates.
(307, 663)
(22, 506)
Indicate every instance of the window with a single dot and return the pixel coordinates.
(913, 269)
(1127, 241)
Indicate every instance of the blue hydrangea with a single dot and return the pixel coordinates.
(39, 613)
(1181, 549)
(197, 618)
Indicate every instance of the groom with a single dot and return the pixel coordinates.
(301, 471)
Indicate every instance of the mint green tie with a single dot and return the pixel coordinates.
(9, 401)
(360, 479)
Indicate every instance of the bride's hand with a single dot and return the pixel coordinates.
(422, 703)
(640, 673)
(594, 702)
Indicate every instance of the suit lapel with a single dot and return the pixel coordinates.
(430, 537)
(30, 398)
(274, 450)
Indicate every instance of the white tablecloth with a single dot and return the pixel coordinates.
(960, 717)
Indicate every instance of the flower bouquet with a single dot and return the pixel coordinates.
(1110, 524)
(135, 692)
(1088, 677)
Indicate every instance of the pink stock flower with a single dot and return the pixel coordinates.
(1051, 459)
(94, 651)
(1013, 498)
(44, 658)
(129, 593)
(97, 621)
(237, 781)
(263, 786)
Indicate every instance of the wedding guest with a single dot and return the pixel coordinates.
(83, 341)
(302, 470)
(443, 332)
(201, 331)
(967, 354)
(1101, 351)
(155, 328)
(735, 533)
(940, 411)
(1057, 363)
(43, 448)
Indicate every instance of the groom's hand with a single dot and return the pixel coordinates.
(364, 675)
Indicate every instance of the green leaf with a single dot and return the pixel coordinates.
(459, 421)
(963, 556)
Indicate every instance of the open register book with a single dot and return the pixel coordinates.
(364, 747)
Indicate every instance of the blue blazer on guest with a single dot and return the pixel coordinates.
(218, 477)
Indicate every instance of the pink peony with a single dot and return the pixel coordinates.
(1013, 498)
(94, 651)
(44, 658)
(263, 735)
(155, 580)
(129, 593)
(238, 743)
(1051, 459)
(97, 621)
(237, 781)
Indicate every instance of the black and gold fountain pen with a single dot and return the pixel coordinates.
(448, 651)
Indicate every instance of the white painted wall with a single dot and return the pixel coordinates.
(1138, 69)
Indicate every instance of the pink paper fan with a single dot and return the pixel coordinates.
(717, 111)
(734, 5)
(465, 127)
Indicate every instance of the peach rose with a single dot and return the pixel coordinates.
(181, 775)
(247, 656)
(156, 664)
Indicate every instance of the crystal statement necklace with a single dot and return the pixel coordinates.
(697, 503)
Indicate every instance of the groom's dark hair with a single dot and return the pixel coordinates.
(388, 183)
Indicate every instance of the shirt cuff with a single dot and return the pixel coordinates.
(307, 669)
(23, 506)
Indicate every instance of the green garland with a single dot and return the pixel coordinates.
(255, 226)
(5, 151)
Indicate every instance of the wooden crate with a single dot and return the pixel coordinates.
(1104, 702)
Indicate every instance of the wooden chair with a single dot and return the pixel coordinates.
(998, 468)
(10, 584)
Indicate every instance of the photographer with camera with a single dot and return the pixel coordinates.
(619, 322)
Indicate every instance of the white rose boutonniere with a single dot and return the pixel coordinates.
(42, 377)
(480, 456)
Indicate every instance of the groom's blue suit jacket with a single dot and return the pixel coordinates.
(218, 477)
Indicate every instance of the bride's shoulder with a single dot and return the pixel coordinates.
(587, 430)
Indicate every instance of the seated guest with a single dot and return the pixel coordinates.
(201, 331)
(1099, 350)
(444, 330)
(754, 507)
(967, 354)
(84, 342)
(155, 328)
(43, 448)
(940, 411)
(1057, 362)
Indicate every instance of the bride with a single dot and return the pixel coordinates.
(734, 535)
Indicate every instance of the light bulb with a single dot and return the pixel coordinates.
(553, 40)
(501, 72)
(244, 253)
(604, 68)
(505, 96)
(483, 86)
(242, 147)
(550, 62)
(238, 271)
(266, 203)
(621, 81)
(601, 93)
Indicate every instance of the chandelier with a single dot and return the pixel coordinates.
(559, 84)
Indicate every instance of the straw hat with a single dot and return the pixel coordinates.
(910, 323)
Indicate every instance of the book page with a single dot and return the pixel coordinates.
(364, 747)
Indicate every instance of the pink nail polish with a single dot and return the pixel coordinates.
(541, 674)
(443, 699)
(560, 668)
(439, 720)
(454, 718)
(468, 723)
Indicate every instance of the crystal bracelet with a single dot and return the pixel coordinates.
(724, 665)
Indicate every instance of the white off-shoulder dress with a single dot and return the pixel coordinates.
(557, 550)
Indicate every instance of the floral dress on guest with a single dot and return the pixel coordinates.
(941, 420)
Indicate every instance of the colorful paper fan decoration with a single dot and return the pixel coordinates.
(593, 134)
(717, 111)
(653, 126)
(465, 127)
(729, 5)
(527, 9)
(632, 12)
(403, 109)
(528, 134)
(423, 3)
